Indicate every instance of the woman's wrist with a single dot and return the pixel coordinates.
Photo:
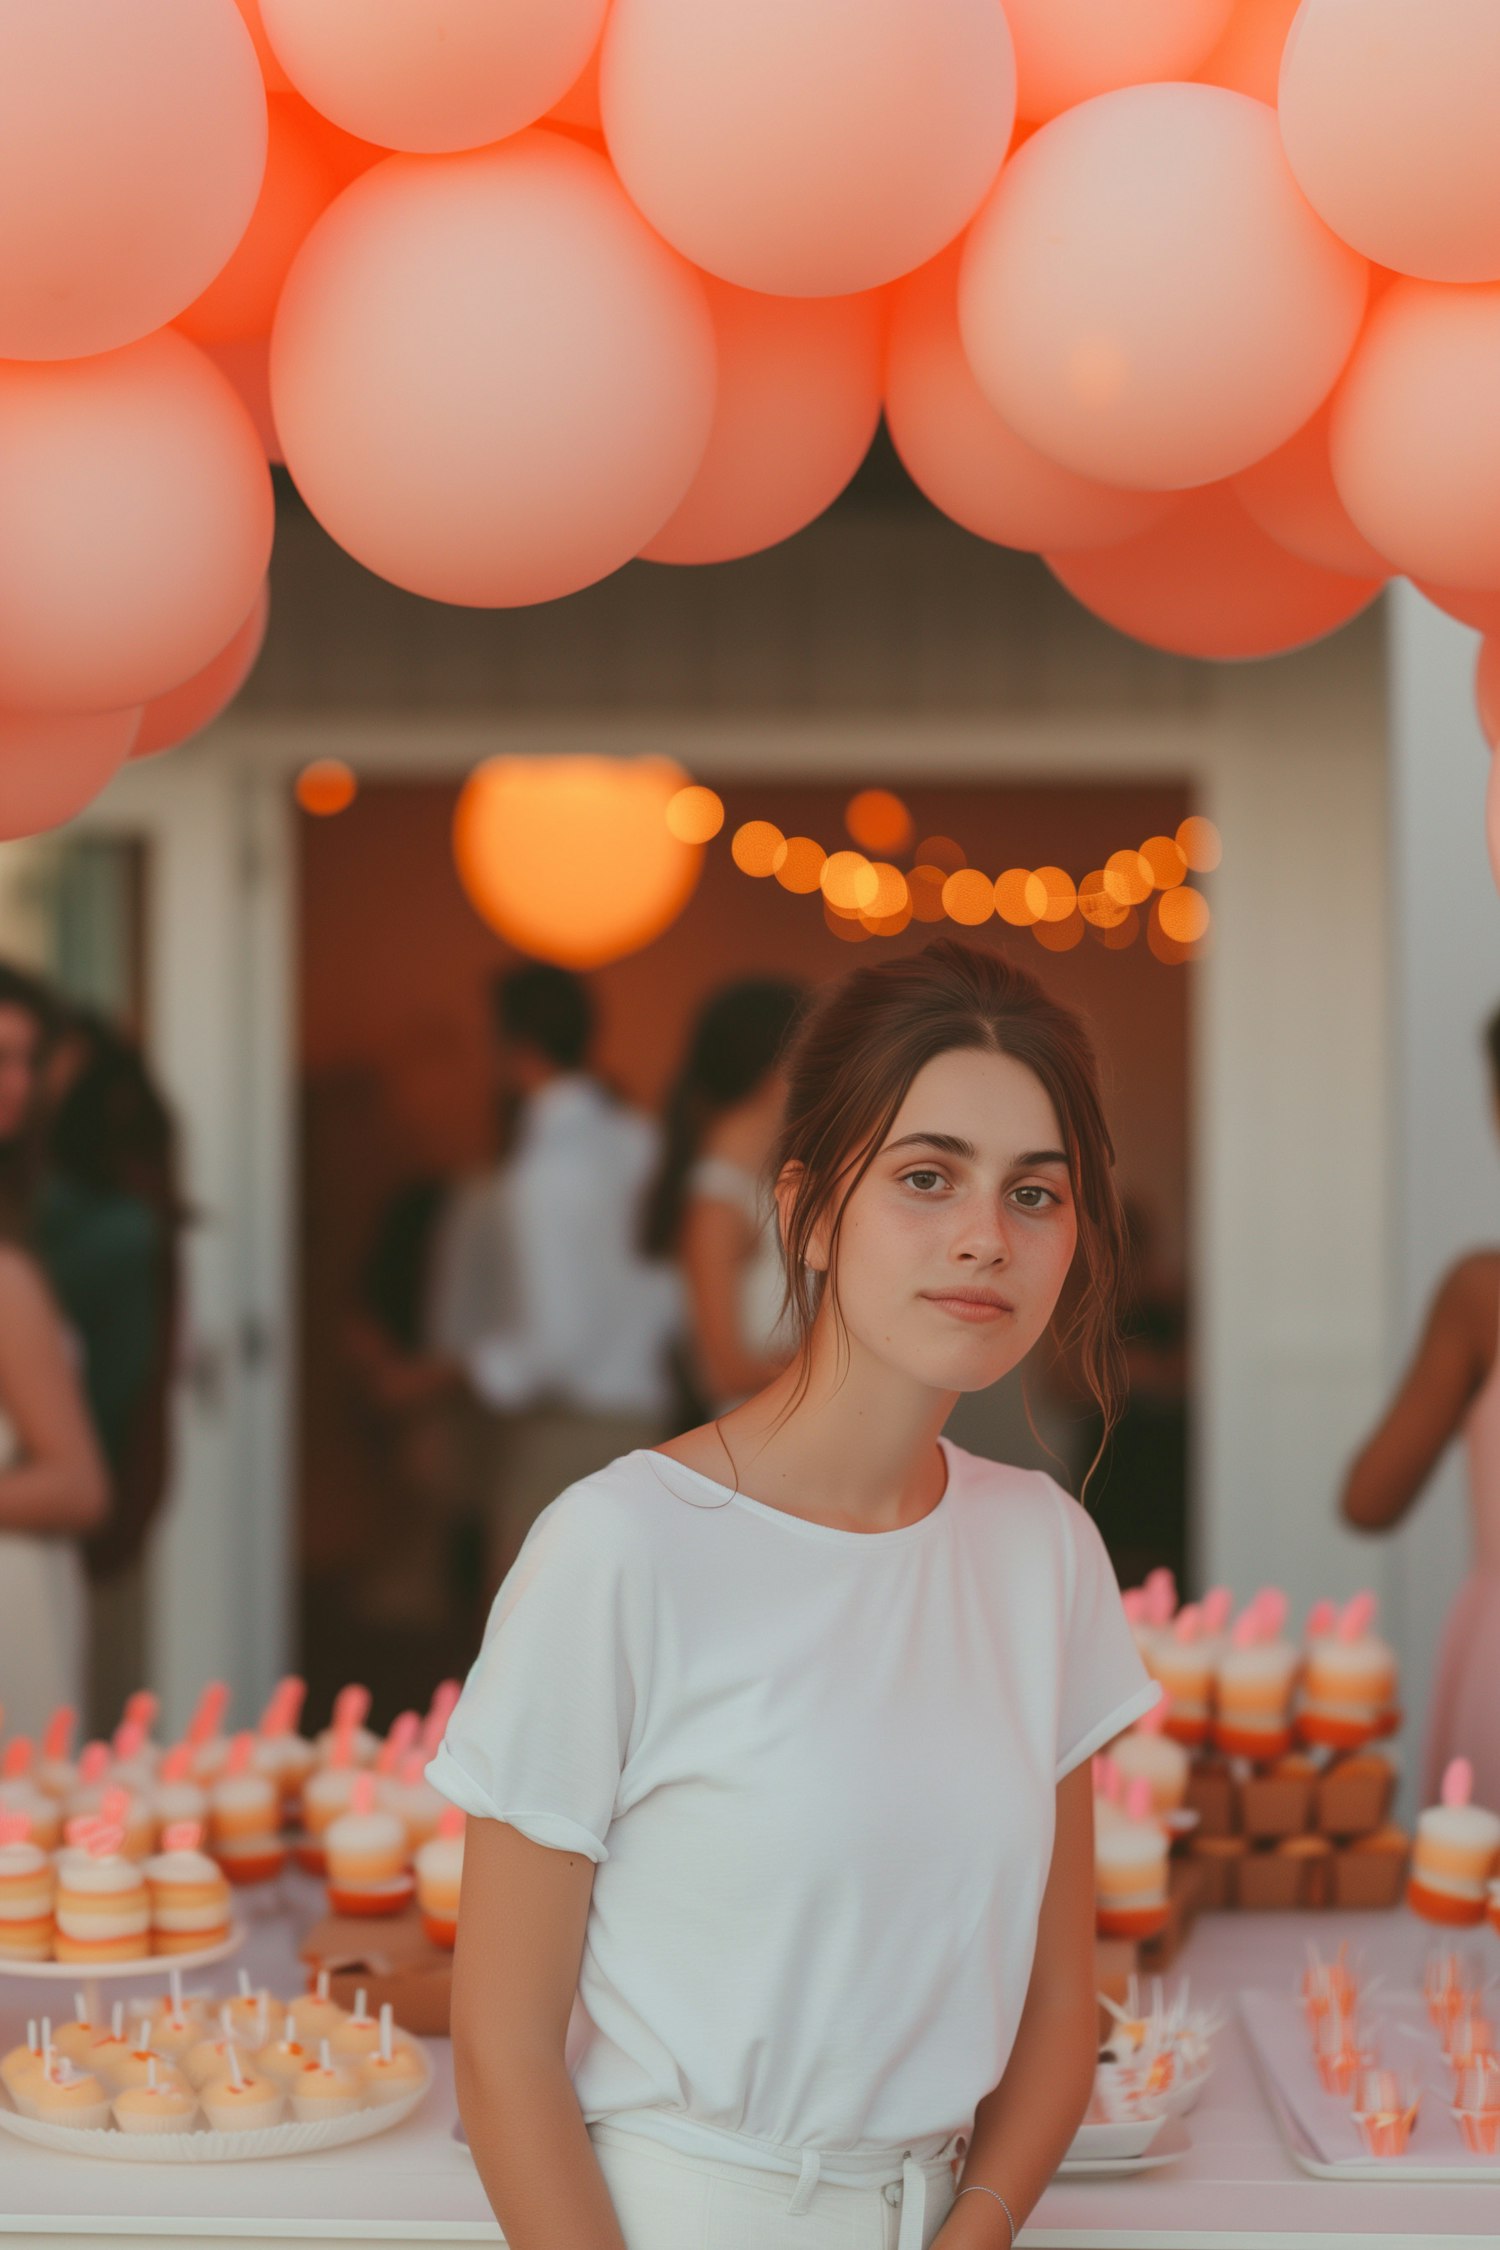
(980, 2219)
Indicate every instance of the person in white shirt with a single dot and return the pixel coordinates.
(776, 1753)
(580, 1367)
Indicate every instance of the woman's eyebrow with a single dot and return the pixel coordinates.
(950, 1144)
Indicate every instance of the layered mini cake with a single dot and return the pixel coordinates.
(1454, 1856)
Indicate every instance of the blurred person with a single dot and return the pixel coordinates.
(1451, 1386)
(29, 1022)
(580, 1365)
(109, 1224)
(710, 1205)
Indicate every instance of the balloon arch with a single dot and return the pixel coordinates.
(1197, 299)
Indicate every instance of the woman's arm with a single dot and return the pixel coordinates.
(1022, 2128)
(1450, 1364)
(717, 1240)
(521, 1921)
(58, 1485)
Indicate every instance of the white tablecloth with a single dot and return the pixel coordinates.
(1237, 2190)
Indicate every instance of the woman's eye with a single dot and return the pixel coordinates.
(923, 1181)
(1035, 1198)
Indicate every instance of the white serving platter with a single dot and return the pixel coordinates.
(144, 1964)
(204, 2146)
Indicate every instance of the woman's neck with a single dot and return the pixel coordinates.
(857, 1449)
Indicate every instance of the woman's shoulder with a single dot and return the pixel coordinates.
(612, 1514)
(1004, 1501)
(23, 1285)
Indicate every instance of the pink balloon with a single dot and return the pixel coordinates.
(1208, 582)
(493, 383)
(433, 75)
(52, 766)
(808, 148)
(132, 141)
(137, 513)
(798, 403)
(246, 366)
(300, 181)
(1292, 496)
(1248, 57)
(958, 451)
(1487, 688)
(1388, 112)
(1069, 50)
(1481, 611)
(170, 719)
(1146, 296)
(580, 104)
(1416, 432)
(277, 81)
(1492, 817)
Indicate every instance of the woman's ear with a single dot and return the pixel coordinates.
(789, 1186)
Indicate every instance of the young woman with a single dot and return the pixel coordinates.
(777, 1747)
(709, 1206)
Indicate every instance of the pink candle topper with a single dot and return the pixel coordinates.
(94, 1764)
(1161, 1596)
(1187, 1625)
(182, 1836)
(208, 1719)
(177, 1765)
(16, 1763)
(1271, 1607)
(284, 1708)
(398, 1742)
(241, 1754)
(1216, 1606)
(1133, 1602)
(57, 1736)
(1457, 1787)
(140, 1711)
(1357, 1617)
(351, 1707)
(362, 1795)
(15, 1828)
(1321, 1619)
(452, 1819)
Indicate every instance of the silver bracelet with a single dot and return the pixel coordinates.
(976, 2189)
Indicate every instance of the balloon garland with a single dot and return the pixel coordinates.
(1197, 299)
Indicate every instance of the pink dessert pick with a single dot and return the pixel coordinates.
(57, 1737)
(398, 1742)
(1357, 1618)
(1321, 1619)
(182, 1836)
(451, 1820)
(16, 1763)
(1216, 1606)
(208, 1718)
(1458, 1782)
(362, 1795)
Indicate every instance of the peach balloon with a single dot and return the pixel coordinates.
(132, 142)
(1248, 57)
(433, 75)
(1292, 495)
(1388, 112)
(807, 148)
(277, 81)
(51, 766)
(1147, 297)
(138, 516)
(492, 382)
(246, 364)
(170, 719)
(300, 181)
(580, 104)
(571, 858)
(1492, 817)
(1415, 437)
(1069, 50)
(1481, 611)
(957, 450)
(798, 403)
(1208, 582)
(1487, 688)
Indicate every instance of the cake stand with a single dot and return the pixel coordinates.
(87, 1977)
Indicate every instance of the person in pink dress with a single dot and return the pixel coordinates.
(1451, 1386)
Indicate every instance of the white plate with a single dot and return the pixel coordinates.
(1170, 2145)
(1130, 2137)
(145, 1964)
(204, 2146)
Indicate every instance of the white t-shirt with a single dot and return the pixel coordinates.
(816, 1769)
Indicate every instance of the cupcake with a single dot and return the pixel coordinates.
(254, 2015)
(395, 2069)
(65, 2096)
(366, 1854)
(22, 1799)
(211, 2057)
(412, 1797)
(205, 1736)
(1130, 1869)
(75, 2041)
(189, 1893)
(315, 2015)
(284, 1756)
(109, 2046)
(1253, 1687)
(22, 2064)
(242, 2101)
(142, 2064)
(348, 1733)
(283, 2061)
(56, 1770)
(1454, 1854)
(1349, 1684)
(135, 1764)
(1182, 1660)
(325, 2089)
(244, 1811)
(357, 2037)
(158, 2106)
(440, 1868)
(103, 1909)
(27, 1885)
(176, 1797)
(1146, 1752)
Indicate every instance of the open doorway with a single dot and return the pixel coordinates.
(396, 1093)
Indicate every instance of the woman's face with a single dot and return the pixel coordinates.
(956, 1243)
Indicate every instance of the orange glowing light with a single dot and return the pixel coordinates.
(888, 925)
(1200, 843)
(849, 927)
(1183, 915)
(969, 897)
(877, 820)
(1061, 936)
(1128, 878)
(1096, 906)
(941, 851)
(755, 847)
(1012, 900)
(850, 882)
(799, 865)
(1050, 894)
(571, 858)
(925, 884)
(1166, 860)
(325, 787)
(892, 896)
(1116, 936)
(695, 815)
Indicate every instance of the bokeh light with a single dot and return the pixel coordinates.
(325, 787)
(1012, 900)
(695, 815)
(849, 927)
(1059, 937)
(1183, 915)
(1200, 843)
(1098, 908)
(1128, 878)
(755, 847)
(850, 883)
(799, 865)
(941, 851)
(1117, 936)
(878, 821)
(969, 897)
(891, 894)
(1165, 858)
(888, 925)
(925, 884)
(1050, 894)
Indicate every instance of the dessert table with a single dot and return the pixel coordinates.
(1236, 2189)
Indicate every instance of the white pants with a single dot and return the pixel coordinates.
(666, 2199)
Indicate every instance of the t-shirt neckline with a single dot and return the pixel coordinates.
(901, 1535)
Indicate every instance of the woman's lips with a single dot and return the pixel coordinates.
(978, 1306)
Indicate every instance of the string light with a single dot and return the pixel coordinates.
(325, 787)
